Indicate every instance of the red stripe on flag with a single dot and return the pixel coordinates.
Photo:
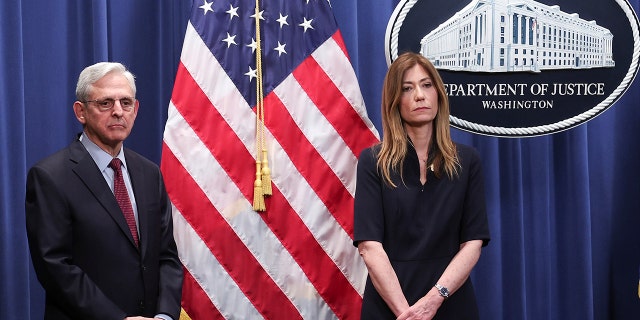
(223, 242)
(337, 37)
(283, 220)
(309, 163)
(330, 282)
(195, 301)
(212, 129)
(333, 105)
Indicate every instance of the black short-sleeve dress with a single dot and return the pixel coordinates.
(420, 227)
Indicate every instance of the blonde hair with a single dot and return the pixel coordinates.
(393, 149)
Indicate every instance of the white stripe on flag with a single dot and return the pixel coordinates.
(318, 131)
(208, 272)
(338, 67)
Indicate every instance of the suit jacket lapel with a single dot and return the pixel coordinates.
(88, 172)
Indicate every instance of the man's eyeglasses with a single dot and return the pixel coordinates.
(126, 104)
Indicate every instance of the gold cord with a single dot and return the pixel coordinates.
(262, 183)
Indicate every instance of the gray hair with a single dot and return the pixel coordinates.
(93, 73)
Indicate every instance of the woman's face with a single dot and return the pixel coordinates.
(419, 99)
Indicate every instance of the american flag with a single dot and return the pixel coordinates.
(296, 259)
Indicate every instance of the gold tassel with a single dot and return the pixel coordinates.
(266, 174)
(258, 197)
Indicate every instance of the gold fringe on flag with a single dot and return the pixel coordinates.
(184, 315)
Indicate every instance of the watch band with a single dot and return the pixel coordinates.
(443, 291)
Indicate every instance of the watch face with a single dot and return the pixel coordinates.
(443, 291)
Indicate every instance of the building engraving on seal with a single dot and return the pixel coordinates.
(517, 36)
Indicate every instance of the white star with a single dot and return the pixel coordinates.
(230, 40)
(259, 15)
(251, 73)
(207, 6)
(232, 12)
(253, 45)
(306, 24)
(282, 20)
(280, 48)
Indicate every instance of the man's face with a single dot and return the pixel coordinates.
(108, 128)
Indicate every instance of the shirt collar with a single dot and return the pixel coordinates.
(100, 157)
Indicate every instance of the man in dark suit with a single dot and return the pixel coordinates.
(98, 256)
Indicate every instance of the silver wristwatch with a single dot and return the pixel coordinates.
(443, 291)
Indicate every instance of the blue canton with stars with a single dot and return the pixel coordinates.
(290, 30)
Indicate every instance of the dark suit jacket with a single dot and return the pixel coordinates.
(82, 250)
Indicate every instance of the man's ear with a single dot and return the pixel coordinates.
(79, 111)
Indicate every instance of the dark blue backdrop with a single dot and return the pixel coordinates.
(564, 209)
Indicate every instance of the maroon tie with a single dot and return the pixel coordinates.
(120, 191)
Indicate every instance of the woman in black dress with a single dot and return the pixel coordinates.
(420, 214)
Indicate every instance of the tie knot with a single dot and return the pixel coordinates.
(115, 164)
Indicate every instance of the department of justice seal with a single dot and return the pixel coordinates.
(522, 68)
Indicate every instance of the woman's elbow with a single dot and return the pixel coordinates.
(367, 248)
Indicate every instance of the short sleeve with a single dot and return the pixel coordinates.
(475, 225)
(368, 212)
